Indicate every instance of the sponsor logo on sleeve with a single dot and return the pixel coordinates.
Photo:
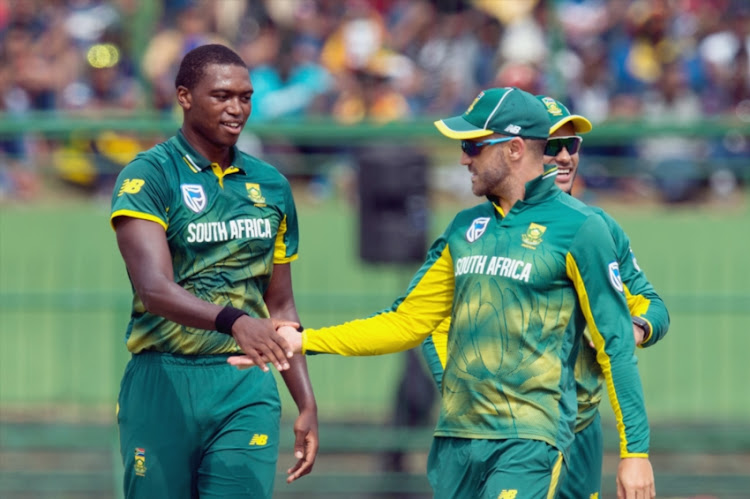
(614, 276)
(194, 197)
(131, 186)
(477, 228)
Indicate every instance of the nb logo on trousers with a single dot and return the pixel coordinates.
(259, 439)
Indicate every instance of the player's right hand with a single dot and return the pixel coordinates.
(261, 343)
(635, 479)
(292, 336)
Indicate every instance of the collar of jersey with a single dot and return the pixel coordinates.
(542, 187)
(194, 160)
(537, 189)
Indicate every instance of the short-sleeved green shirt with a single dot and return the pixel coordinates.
(519, 290)
(225, 231)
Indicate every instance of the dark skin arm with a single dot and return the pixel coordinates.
(143, 245)
(280, 302)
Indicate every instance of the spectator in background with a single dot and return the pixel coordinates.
(39, 60)
(603, 50)
(674, 160)
(190, 28)
(92, 160)
(287, 79)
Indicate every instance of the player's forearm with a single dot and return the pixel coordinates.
(626, 396)
(433, 362)
(377, 335)
(658, 317)
(297, 381)
(173, 302)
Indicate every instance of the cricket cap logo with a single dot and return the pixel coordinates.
(533, 236)
(477, 228)
(194, 197)
(474, 103)
(553, 107)
(253, 192)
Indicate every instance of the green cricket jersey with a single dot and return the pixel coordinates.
(643, 301)
(519, 290)
(225, 231)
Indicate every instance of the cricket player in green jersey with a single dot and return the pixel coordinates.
(520, 276)
(207, 234)
(649, 315)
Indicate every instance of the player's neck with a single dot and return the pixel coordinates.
(220, 154)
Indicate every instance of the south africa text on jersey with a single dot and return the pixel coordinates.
(244, 228)
(496, 265)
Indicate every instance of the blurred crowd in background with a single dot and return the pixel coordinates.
(352, 61)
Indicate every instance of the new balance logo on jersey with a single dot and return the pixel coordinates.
(194, 197)
(258, 440)
(477, 228)
(131, 186)
(508, 494)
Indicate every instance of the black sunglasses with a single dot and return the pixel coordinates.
(473, 148)
(556, 144)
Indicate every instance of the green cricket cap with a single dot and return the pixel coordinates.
(559, 115)
(507, 111)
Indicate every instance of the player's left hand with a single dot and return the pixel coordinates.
(287, 329)
(305, 444)
(635, 479)
(638, 334)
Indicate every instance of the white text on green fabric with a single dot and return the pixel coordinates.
(243, 228)
(496, 265)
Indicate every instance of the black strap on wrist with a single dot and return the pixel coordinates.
(226, 319)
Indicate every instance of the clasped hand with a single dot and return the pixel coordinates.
(288, 340)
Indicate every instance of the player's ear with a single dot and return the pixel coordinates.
(184, 97)
(516, 148)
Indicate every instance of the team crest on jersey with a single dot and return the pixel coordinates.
(614, 276)
(253, 192)
(139, 465)
(477, 228)
(533, 236)
(194, 197)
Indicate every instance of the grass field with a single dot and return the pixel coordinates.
(65, 299)
(64, 302)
